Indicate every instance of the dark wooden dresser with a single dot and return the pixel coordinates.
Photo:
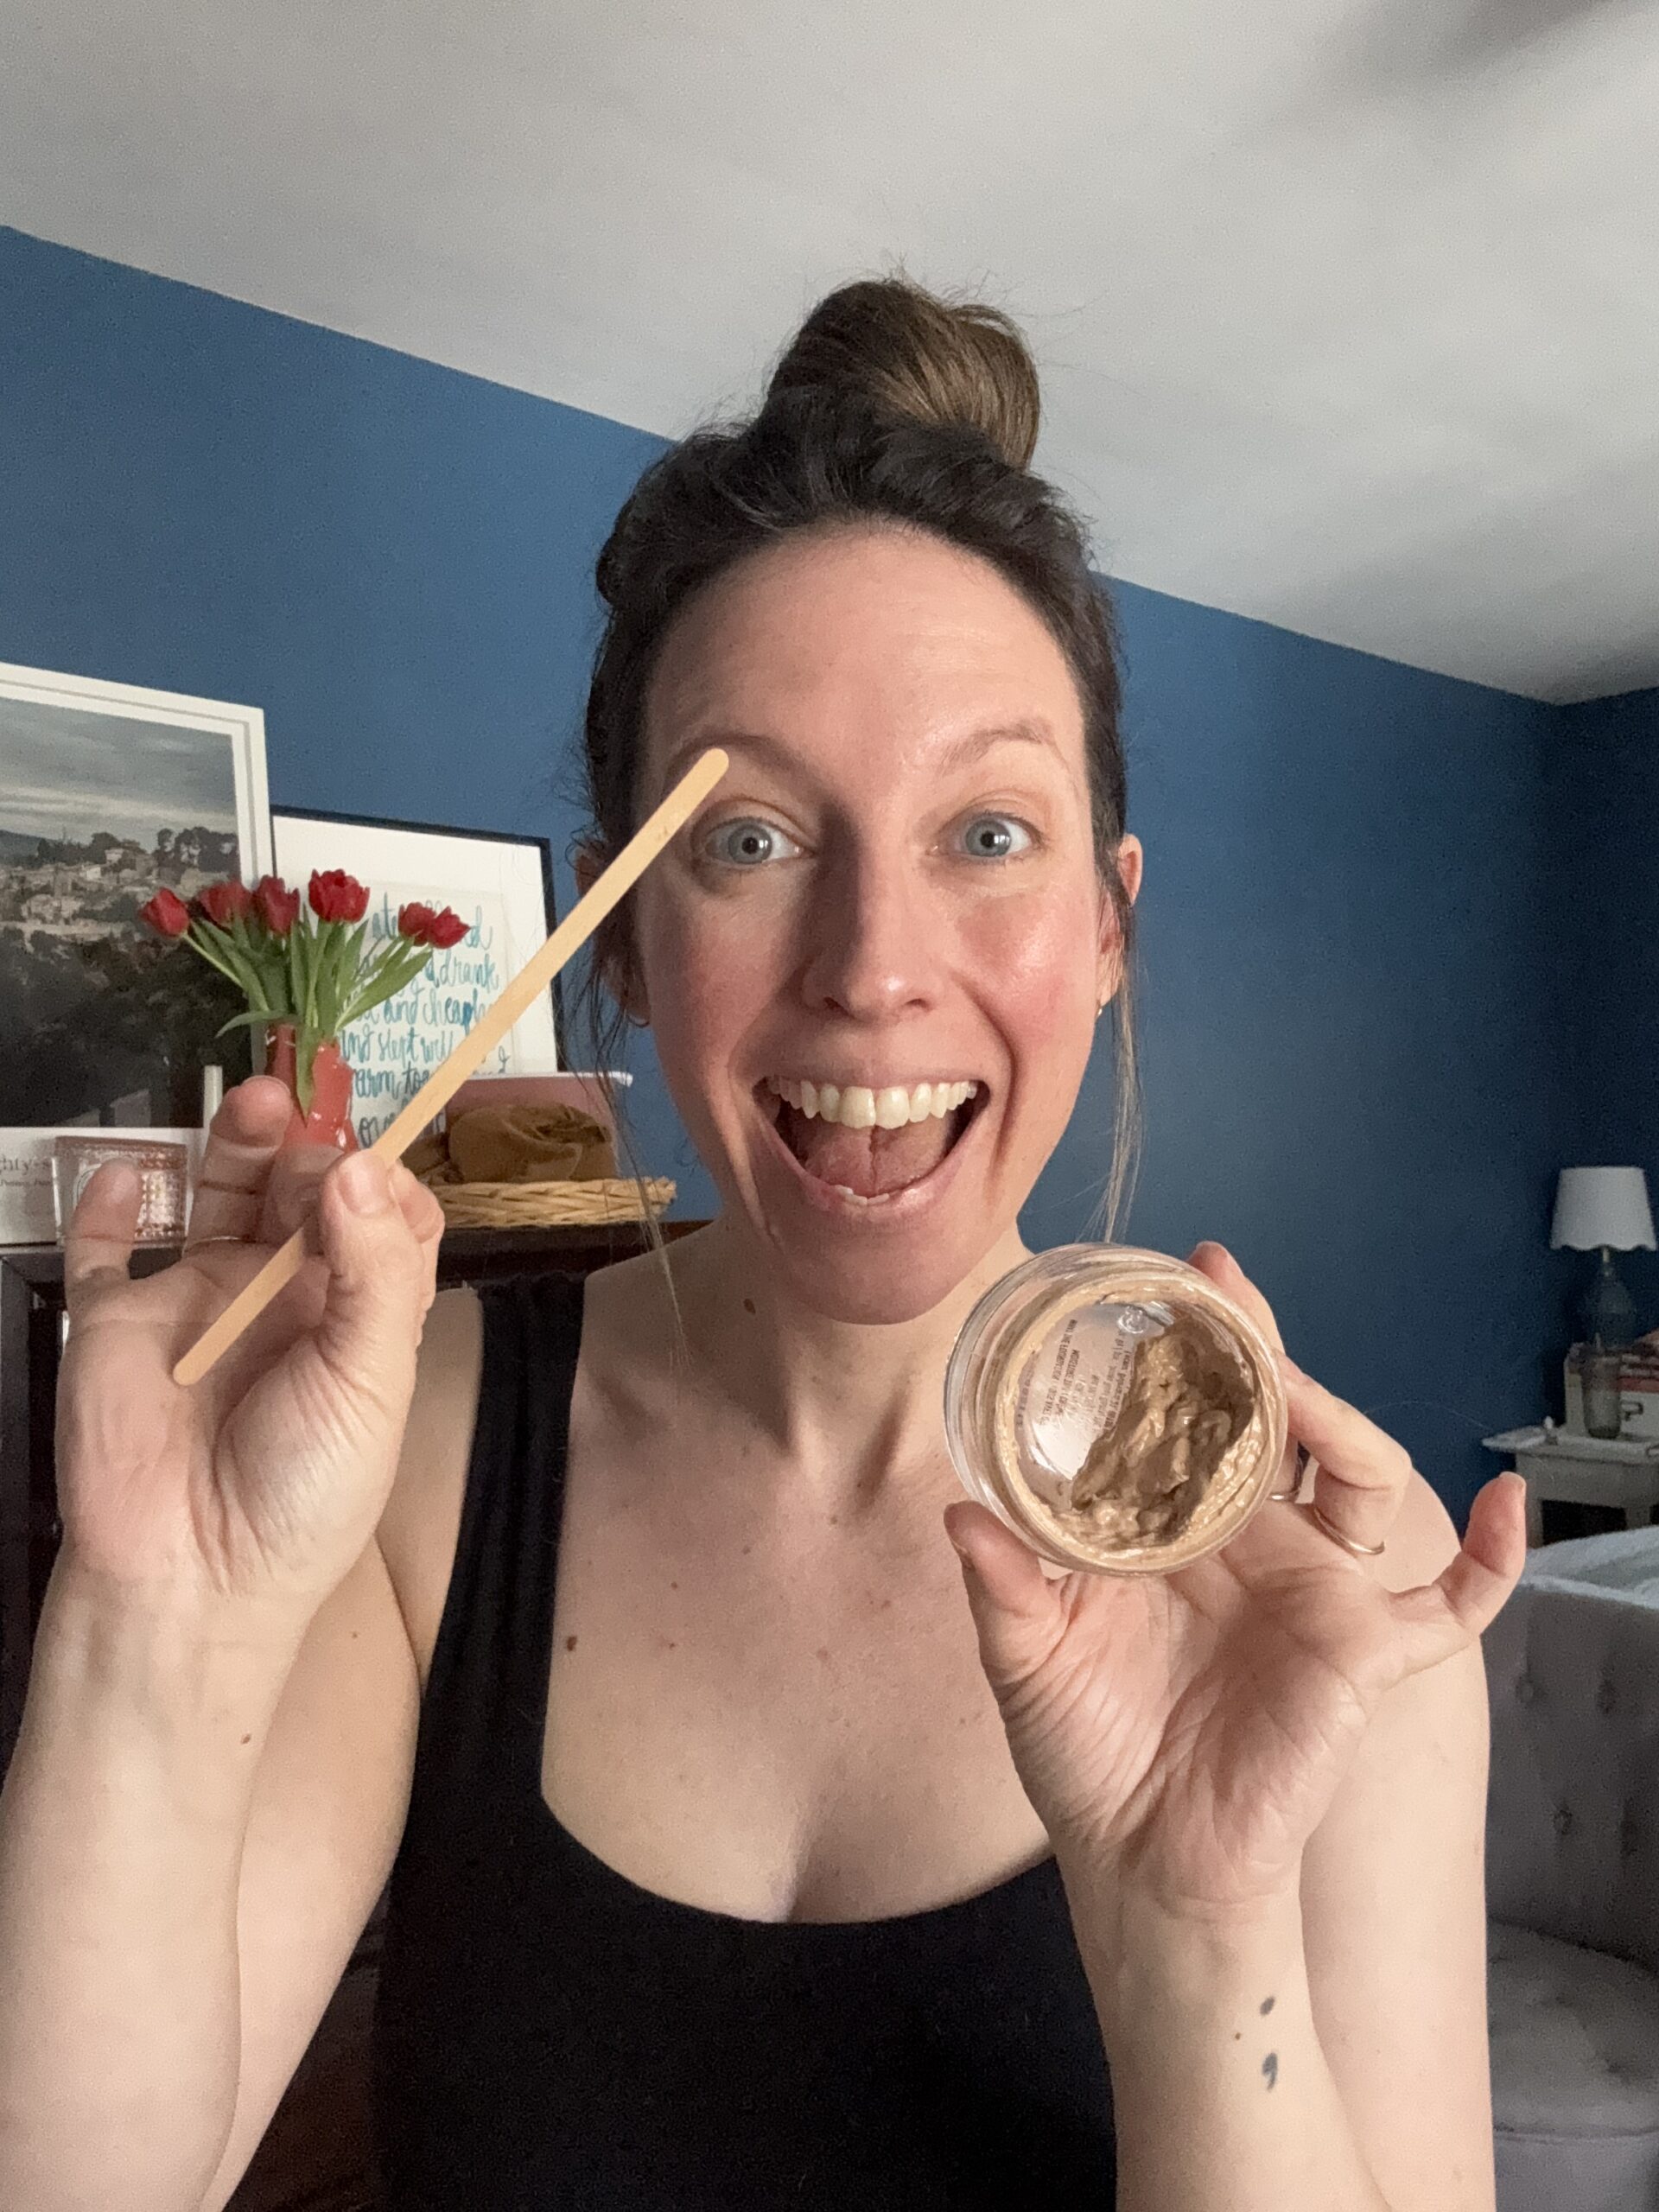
(316, 2156)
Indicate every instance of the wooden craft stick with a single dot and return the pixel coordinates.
(444, 1081)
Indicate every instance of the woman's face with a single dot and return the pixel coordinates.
(893, 895)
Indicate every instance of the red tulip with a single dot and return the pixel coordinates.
(166, 913)
(227, 902)
(442, 927)
(279, 907)
(337, 897)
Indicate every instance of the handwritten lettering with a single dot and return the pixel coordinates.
(395, 1048)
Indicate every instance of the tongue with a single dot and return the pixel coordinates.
(869, 1161)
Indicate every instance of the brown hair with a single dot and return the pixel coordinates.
(894, 407)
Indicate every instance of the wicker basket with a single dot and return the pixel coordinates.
(541, 1205)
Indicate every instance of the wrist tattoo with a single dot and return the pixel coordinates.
(1271, 2063)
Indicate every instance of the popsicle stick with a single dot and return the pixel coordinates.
(441, 1086)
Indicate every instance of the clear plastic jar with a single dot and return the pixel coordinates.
(1115, 1409)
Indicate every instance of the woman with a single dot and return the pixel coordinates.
(738, 1861)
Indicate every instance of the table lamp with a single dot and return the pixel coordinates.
(1604, 1209)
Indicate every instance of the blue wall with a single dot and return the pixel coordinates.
(1349, 1064)
(1605, 804)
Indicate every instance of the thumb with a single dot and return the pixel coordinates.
(1019, 1614)
(369, 1328)
(1441, 1617)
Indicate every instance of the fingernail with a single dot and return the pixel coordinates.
(120, 1182)
(363, 1183)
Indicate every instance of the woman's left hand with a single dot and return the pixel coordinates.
(1183, 1735)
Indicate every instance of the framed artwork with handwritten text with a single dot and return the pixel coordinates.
(501, 884)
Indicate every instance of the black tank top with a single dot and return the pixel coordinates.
(551, 2038)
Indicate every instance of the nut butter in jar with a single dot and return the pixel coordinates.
(1115, 1409)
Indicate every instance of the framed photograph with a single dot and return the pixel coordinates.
(501, 884)
(108, 793)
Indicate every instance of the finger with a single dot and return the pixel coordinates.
(1226, 1273)
(426, 1217)
(1018, 1614)
(1217, 1262)
(371, 1319)
(98, 1244)
(1440, 1617)
(243, 1139)
(292, 1192)
(426, 1221)
(1362, 1473)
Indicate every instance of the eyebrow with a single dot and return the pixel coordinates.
(773, 750)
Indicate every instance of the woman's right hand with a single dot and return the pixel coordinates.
(258, 1488)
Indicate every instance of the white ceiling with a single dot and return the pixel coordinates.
(1347, 310)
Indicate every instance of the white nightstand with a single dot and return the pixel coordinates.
(1560, 1463)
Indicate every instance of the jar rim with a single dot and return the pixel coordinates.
(1004, 1333)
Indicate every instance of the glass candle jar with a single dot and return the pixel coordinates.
(1603, 1403)
(1115, 1409)
(162, 1168)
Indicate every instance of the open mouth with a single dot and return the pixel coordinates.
(869, 1144)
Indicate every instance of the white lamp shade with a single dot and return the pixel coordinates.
(1603, 1205)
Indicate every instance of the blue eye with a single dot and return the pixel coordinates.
(995, 837)
(747, 844)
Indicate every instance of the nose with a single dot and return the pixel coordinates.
(874, 945)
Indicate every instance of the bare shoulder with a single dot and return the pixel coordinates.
(627, 1304)
(421, 1522)
(634, 1342)
(633, 1299)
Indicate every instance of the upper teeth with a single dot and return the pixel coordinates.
(857, 1107)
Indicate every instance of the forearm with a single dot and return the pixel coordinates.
(1223, 2097)
(121, 1827)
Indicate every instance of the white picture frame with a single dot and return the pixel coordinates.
(100, 782)
(499, 882)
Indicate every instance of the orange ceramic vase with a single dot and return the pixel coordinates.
(329, 1121)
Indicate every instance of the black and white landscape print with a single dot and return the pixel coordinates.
(98, 809)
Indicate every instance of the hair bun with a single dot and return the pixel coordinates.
(909, 353)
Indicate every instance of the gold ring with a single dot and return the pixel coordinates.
(1292, 1495)
(1359, 1551)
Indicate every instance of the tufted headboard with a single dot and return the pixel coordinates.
(1573, 1810)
